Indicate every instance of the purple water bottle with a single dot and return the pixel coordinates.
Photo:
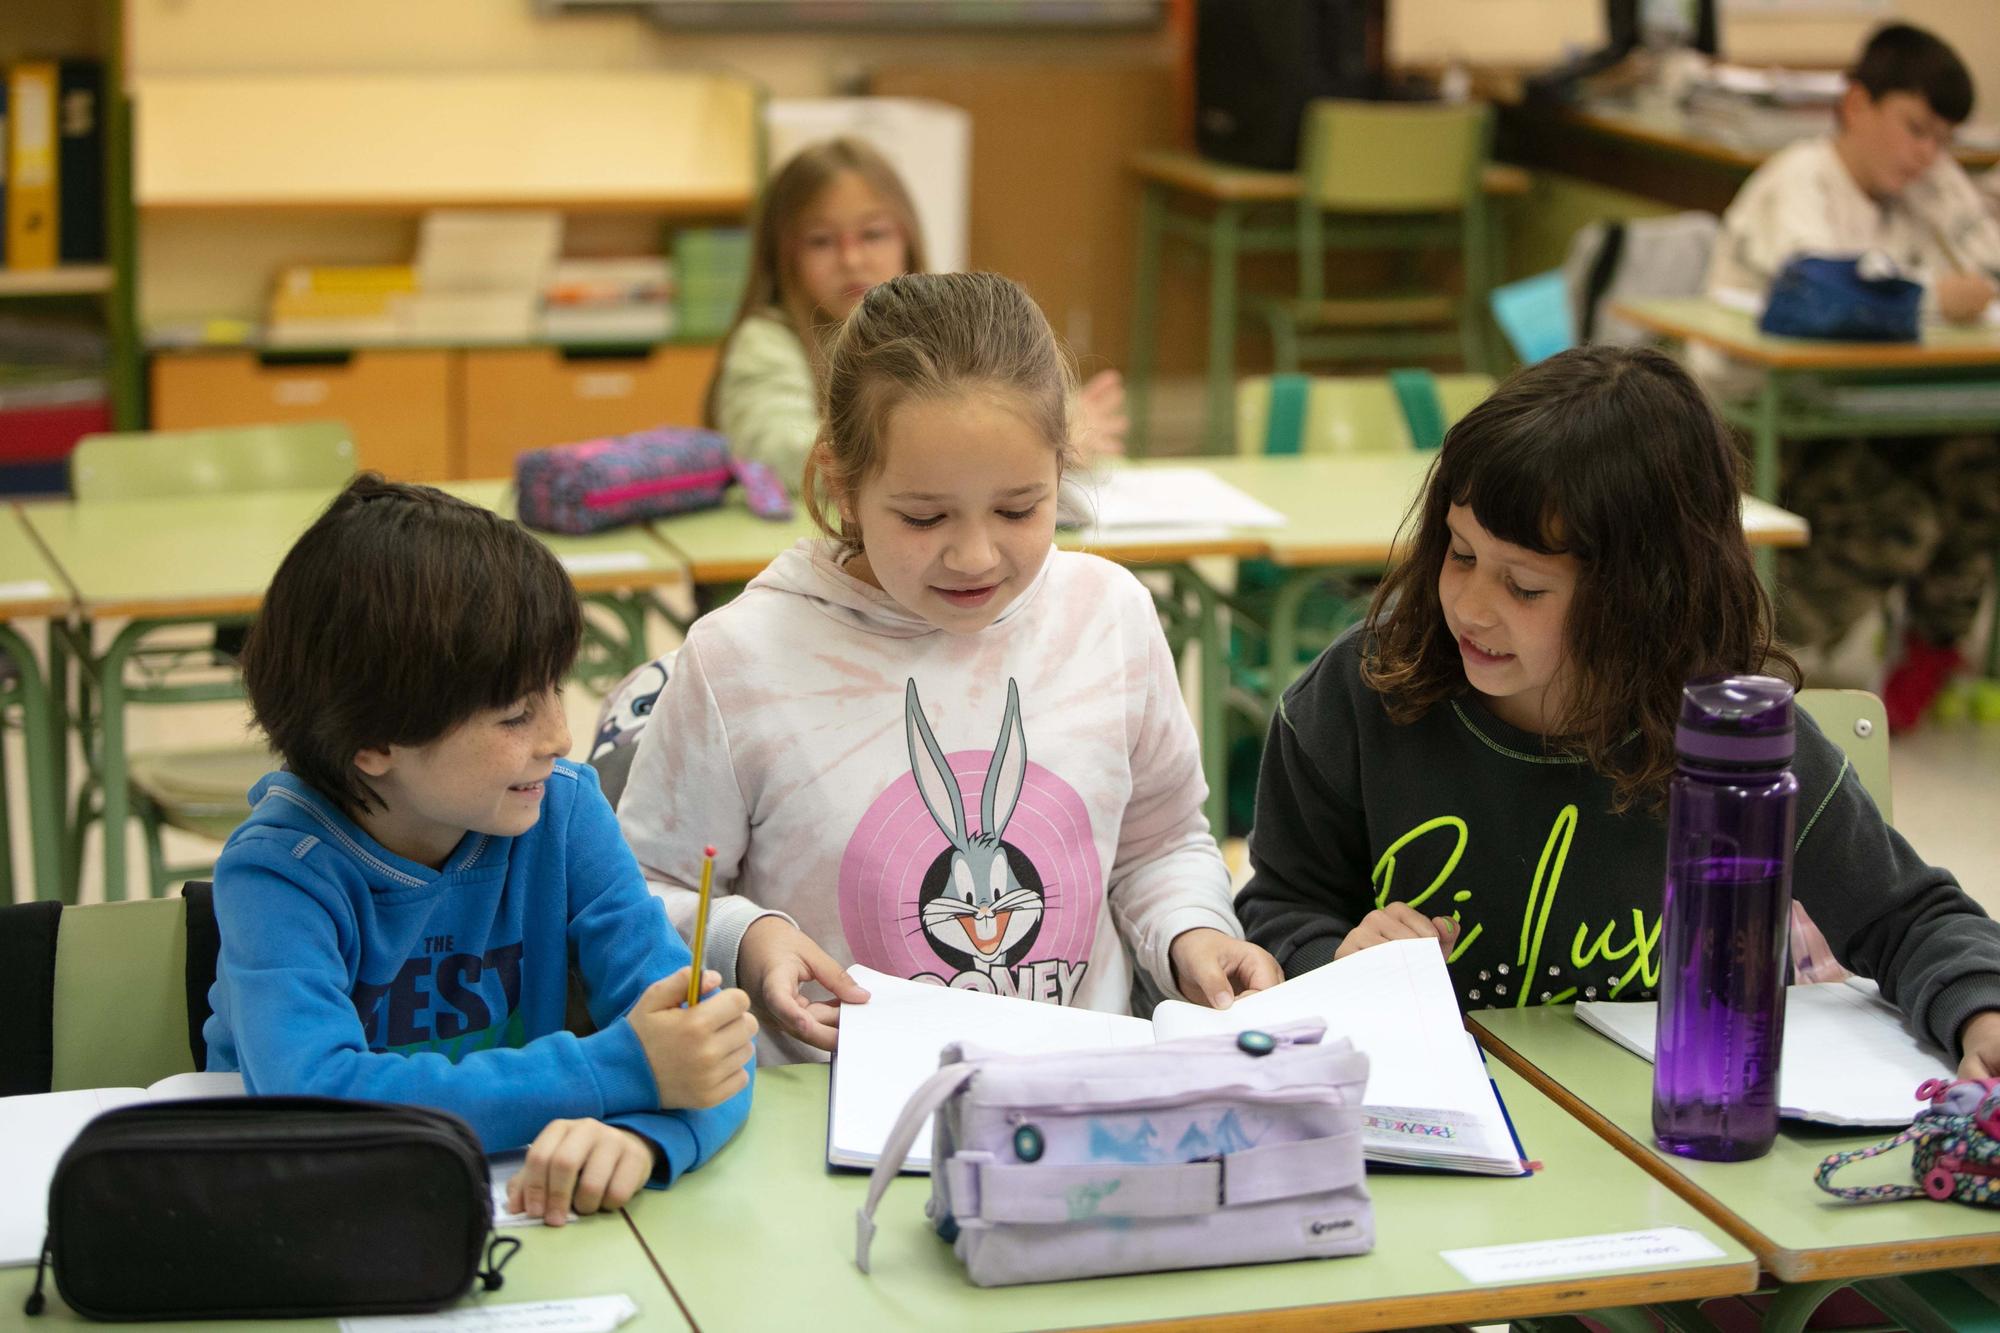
(1730, 814)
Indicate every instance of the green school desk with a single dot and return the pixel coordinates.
(32, 588)
(1342, 515)
(208, 559)
(1800, 1234)
(1228, 211)
(1785, 408)
(593, 1256)
(763, 1237)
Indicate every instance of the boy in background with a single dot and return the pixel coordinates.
(1925, 512)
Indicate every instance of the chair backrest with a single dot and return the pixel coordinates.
(1394, 157)
(1534, 313)
(121, 1016)
(1340, 414)
(1855, 721)
(304, 455)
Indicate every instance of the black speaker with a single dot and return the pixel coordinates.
(1258, 62)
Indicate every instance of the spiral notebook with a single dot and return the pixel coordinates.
(1429, 1101)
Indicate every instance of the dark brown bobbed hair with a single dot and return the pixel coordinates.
(1903, 58)
(1614, 456)
(399, 614)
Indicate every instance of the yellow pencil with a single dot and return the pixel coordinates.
(700, 927)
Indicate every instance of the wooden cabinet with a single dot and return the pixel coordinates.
(519, 398)
(399, 404)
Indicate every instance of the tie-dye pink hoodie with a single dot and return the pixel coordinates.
(805, 729)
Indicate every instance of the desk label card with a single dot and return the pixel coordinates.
(587, 1314)
(604, 562)
(1525, 1262)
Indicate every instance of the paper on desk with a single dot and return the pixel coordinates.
(585, 1314)
(603, 562)
(1175, 497)
(25, 590)
(1529, 1260)
(1847, 1059)
(502, 1166)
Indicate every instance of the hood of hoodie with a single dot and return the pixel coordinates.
(813, 570)
(281, 800)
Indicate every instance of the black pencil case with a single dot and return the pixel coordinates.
(268, 1207)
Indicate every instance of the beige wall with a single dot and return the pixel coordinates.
(212, 36)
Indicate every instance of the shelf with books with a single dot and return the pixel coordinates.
(63, 280)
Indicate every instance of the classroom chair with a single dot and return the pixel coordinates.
(198, 790)
(1402, 177)
(1855, 721)
(105, 995)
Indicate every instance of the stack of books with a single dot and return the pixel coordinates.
(609, 300)
(712, 264)
(1762, 110)
(337, 305)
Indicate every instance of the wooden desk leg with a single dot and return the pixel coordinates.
(1145, 311)
(1224, 234)
(1764, 470)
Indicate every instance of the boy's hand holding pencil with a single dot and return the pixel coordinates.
(699, 1054)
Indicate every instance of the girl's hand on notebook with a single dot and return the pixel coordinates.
(1399, 921)
(699, 1055)
(1212, 968)
(773, 961)
(579, 1164)
(1979, 1039)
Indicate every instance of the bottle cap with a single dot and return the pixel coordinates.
(1736, 722)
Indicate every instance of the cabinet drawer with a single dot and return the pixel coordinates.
(398, 404)
(519, 398)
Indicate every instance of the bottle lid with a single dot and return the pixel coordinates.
(1736, 722)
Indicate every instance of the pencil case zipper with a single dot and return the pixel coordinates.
(608, 496)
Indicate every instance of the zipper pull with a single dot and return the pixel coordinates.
(490, 1279)
(36, 1301)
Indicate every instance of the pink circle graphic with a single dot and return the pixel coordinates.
(897, 843)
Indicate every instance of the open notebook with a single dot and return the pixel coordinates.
(1429, 1102)
(1848, 1060)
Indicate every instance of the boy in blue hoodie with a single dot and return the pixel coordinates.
(400, 912)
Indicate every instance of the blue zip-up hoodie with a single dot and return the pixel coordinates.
(349, 971)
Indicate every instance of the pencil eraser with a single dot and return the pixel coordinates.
(708, 851)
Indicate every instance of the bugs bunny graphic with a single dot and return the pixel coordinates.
(984, 910)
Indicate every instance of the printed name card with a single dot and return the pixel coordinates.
(1529, 1260)
(586, 1314)
(603, 562)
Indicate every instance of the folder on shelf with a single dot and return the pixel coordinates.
(31, 166)
(80, 162)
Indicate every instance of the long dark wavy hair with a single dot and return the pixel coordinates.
(1613, 456)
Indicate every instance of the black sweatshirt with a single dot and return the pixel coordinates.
(1557, 898)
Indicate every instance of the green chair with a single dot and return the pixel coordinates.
(1324, 414)
(200, 791)
(1403, 177)
(1855, 721)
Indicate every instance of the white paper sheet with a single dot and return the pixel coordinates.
(1847, 1058)
(1491, 1265)
(585, 1314)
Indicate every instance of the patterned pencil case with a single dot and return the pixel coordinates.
(597, 484)
(1955, 1148)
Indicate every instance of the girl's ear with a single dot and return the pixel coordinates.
(375, 762)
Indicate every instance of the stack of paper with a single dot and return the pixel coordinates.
(1429, 1102)
(1848, 1060)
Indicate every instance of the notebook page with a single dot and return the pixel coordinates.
(1395, 1002)
(890, 1045)
(1847, 1059)
(1171, 497)
(34, 1131)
